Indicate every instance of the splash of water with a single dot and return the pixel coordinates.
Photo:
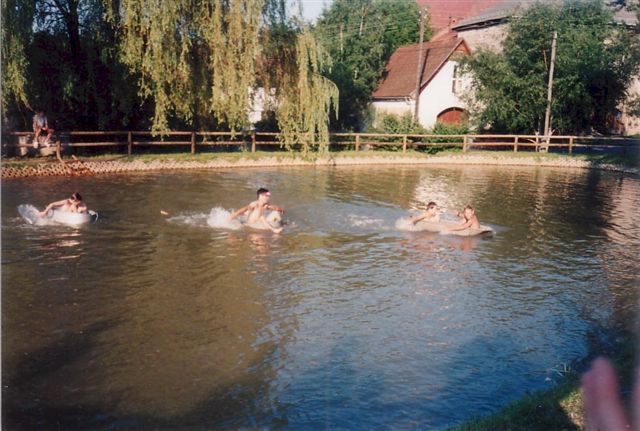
(31, 215)
(220, 218)
(404, 223)
(360, 221)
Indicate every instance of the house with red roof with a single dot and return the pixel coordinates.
(486, 28)
(440, 82)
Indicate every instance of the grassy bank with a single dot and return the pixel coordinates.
(556, 408)
(118, 163)
(595, 158)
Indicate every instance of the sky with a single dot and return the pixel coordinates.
(311, 9)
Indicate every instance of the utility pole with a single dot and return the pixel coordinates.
(420, 67)
(547, 115)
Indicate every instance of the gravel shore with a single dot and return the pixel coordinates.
(94, 167)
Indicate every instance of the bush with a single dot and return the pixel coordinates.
(398, 124)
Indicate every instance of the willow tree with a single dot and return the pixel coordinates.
(17, 19)
(199, 59)
(305, 97)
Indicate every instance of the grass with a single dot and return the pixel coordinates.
(595, 158)
(556, 408)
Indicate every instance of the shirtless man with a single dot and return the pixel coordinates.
(41, 124)
(72, 205)
(256, 211)
(431, 214)
(470, 219)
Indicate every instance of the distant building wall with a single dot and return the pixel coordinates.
(487, 37)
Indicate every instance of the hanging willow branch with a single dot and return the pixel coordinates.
(16, 21)
(305, 98)
(194, 54)
(232, 36)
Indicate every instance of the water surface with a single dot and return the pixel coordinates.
(143, 321)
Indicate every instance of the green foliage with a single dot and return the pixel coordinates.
(360, 36)
(594, 64)
(397, 124)
(164, 65)
(449, 129)
(62, 57)
(305, 99)
(17, 18)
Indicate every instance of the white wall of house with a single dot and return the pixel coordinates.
(399, 107)
(438, 95)
(259, 102)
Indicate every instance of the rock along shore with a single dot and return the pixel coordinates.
(94, 167)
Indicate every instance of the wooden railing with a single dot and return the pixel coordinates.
(127, 141)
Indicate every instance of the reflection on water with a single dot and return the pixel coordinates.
(146, 322)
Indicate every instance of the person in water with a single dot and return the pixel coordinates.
(256, 211)
(431, 214)
(74, 204)
(469, 219)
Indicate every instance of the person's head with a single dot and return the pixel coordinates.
(40, 112)
(76, 197)
(263, 194)
(469, 211)
(432, 207)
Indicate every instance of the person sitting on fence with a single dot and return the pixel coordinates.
(431, 214)
(40, 124)
(256, 211)
(74, 204)
(469, 219)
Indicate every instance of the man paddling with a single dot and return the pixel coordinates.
(256, 211)
(72, 205)
(469, 219)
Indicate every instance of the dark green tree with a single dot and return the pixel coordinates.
(62, 56)
(360, 36)
(595, 62)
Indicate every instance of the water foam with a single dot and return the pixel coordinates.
(361, 221)
(31, 215)
(404, 223)
(220, 218)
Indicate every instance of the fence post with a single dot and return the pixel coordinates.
(253, 141)
(193, 142)
(129, 143)
(404, 143)
(570, 144)
(464, 144)
(515, 145)
(357, 141)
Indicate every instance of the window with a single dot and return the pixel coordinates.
(455, 85)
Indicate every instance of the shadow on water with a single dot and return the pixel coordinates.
(557, 404)
(230, 406)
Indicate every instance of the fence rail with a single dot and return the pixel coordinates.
(21, 142)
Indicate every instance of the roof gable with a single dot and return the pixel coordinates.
(399, 77)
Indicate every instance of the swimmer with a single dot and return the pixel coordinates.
(255, 211)
(431, 214)
(72, 205)
(469, 219)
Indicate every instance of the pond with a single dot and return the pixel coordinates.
(147, 321)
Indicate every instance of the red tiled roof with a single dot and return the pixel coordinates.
(443, 12)
(399, 77)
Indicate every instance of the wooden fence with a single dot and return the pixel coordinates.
(128, 141)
